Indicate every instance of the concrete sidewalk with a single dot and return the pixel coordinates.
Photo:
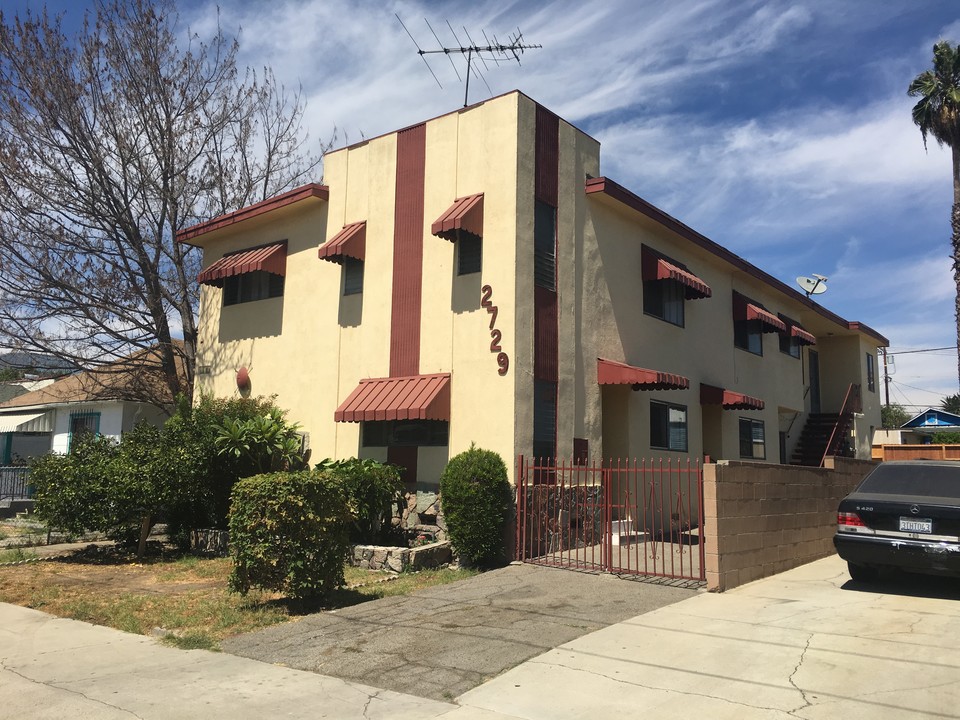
(53, 669)
(805, 644)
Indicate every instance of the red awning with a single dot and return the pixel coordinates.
(268, 258)
(349, 242)
(803, 337)
(610, 372)
(654, 266)
(769, 321)
(465, 215)
(695, 287)
(746, 309)
(417, 397)
(712, 395)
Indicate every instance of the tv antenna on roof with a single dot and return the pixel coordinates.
(494, 51)
(815, 285)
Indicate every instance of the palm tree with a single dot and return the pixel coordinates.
(951, 404)
(937, 113)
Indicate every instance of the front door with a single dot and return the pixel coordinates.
(814, 381)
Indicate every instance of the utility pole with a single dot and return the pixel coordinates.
(886, 377)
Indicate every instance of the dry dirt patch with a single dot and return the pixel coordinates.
(185, 596)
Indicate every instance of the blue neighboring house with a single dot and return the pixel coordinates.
(933, 420)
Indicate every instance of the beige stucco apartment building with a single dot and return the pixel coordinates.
(475, 279)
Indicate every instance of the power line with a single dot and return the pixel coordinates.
(909, 352)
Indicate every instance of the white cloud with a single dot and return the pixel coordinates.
(813, 176)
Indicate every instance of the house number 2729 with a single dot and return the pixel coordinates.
(503, 360)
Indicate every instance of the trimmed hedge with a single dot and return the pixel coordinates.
(289, 533)
(477, 504)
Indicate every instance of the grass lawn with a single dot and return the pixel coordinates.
(185, 596)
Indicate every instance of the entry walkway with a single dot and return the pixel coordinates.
(442, 641)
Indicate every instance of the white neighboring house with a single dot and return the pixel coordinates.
(47, 419)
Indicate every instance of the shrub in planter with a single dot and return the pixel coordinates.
(288, 532)
(477, 502)
(372, 488)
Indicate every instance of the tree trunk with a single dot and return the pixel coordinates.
(145, 526)
(955, 242)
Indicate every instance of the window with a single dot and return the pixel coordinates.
(83, 424)
(405, 433)
(668, 426)
(663, 299)
(747, 335)
(789, 345)
(251, 286)
(871, 373)
(752, 441)
(545, 246)
(469, 254)
(789, 342)
(352, 276)
(544, 420)
(667, 283)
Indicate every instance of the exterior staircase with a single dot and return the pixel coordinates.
(814, 438)
(825, 434)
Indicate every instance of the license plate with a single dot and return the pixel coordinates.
(916, 525)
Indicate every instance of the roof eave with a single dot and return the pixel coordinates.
(615, 191)
(305, 192)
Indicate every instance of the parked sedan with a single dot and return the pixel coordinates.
(902, 515)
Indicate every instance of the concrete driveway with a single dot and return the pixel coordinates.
(809, 643)
(440, 642)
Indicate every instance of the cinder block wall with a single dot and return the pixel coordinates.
(763, 519)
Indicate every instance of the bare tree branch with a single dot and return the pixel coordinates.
(110, 142)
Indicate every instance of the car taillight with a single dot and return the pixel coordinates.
(849, 519)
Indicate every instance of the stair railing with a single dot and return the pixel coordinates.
(852, 403)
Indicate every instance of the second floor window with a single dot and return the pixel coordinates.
(251, 286)
(663, 299)
(748, 336)
(352, 276)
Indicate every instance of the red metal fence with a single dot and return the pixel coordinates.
(641, 517)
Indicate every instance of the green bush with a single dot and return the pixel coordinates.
(288, 532)
(116, 488)
(208, 466)
(372, 488)
(477, 504)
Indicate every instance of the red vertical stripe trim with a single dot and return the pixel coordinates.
(545, 334)
(547, 156)
(545, 306)
(408, 253)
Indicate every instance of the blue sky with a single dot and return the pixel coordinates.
(781, 130)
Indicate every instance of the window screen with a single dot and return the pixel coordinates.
(668, 426)
(545, 245)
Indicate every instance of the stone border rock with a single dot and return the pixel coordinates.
(400, 559)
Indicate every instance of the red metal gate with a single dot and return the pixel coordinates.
(639, 518)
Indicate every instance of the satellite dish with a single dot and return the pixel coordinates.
(813, 285)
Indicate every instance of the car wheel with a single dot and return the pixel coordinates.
(862, 573)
